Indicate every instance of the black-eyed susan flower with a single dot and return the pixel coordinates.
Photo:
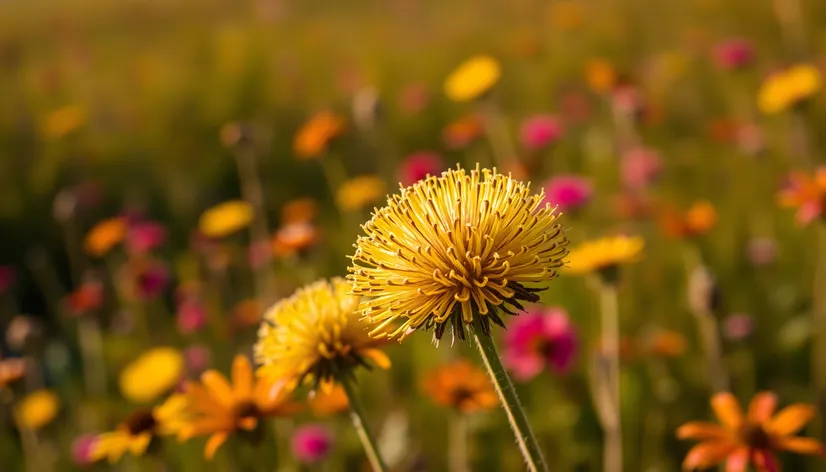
(360, 192)
(789, 87)
(754, 438)
(455, 250)
(105, 236)
(152, 374)
(472, 79)
(315, 135)
(462, 386)
(218, 408)
(317, 335)
(140, 429)
(37, 409)
(605, 254)
(225, 219)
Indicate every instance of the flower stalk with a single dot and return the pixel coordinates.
(608, 378)
(510, 402)
(358, 419)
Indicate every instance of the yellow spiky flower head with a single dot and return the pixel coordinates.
(455, 250)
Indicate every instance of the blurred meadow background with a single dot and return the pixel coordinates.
(168, 170)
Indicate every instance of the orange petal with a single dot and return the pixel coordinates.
(701, 431)
(762, 407)
(801, 445)
(708, 454)
(242, 377)
(248, 423)
(727, 410)
(791, 419)
(738, 461)
(218, 387)
(215, 441)
(378, 356)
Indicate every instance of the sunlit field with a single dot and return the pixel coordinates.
(265, 235)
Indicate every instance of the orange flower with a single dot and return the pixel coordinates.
(301, 210)
(462, 132)
(87, 298)
(11, 370)
(600, 75)
(698, 220)
(806, 193)
(666, 344)
(104, 236)
(294, 238)
(329, 403)
(754, 438)
(247, 313)
(462, 386)
(313, 138)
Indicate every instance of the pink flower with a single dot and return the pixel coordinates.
(640, 167)
(738, 326)
(540, 131)
(538, 340)
(191, 316)
(259, 254)
(7, 277)
(144, 236)
(761, 251)
(82, 450)
(312, 443)
(734, 53)
(419, 165)
(568, 191)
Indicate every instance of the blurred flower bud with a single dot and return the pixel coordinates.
(312, 443)
(738, 326)
(235, 134)
(197, 359)
(64, 206)
(703, 292)
(761, 251)
(419, 165)
(82, 450)
(22, 332)
(640, 167)
(750, 140)
(734, 53)
(366, 108)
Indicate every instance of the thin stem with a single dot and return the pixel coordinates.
(458, 444)
(714, 352)
(609, 378)
(357, 417)
(510, 402)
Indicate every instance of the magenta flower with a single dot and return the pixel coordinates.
(191, 316)
(144, 236)
(738, 326)
(312, 443)
(640, 167)
(734, 53)
(146, 279)
(7, 278)
(540, 131)
(540, 340)
(419, 165)
(568, 192)
(82, 450)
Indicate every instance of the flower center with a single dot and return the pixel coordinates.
(140, 421)
(461, 395)
(247, 409)
(754, 436)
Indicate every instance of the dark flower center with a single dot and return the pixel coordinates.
(140, 421)
(755, 436)
(247, 409)
(461, 395)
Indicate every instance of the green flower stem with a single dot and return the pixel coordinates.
(513, 408)
(357, 417)
(609, 378)
(458, 448)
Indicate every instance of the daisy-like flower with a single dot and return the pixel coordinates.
(315, 135)
(104, 236)
(218, 408)
(225, 219)
(788, 88)
(751, 439)
(462, 386)
(151, 375)
(454, 250)
(604, 254)
(472, 79)
(316, 335)
(136, 434)
(806, 193)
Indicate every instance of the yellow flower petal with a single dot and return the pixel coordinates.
(218, 387)
(727, 409)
